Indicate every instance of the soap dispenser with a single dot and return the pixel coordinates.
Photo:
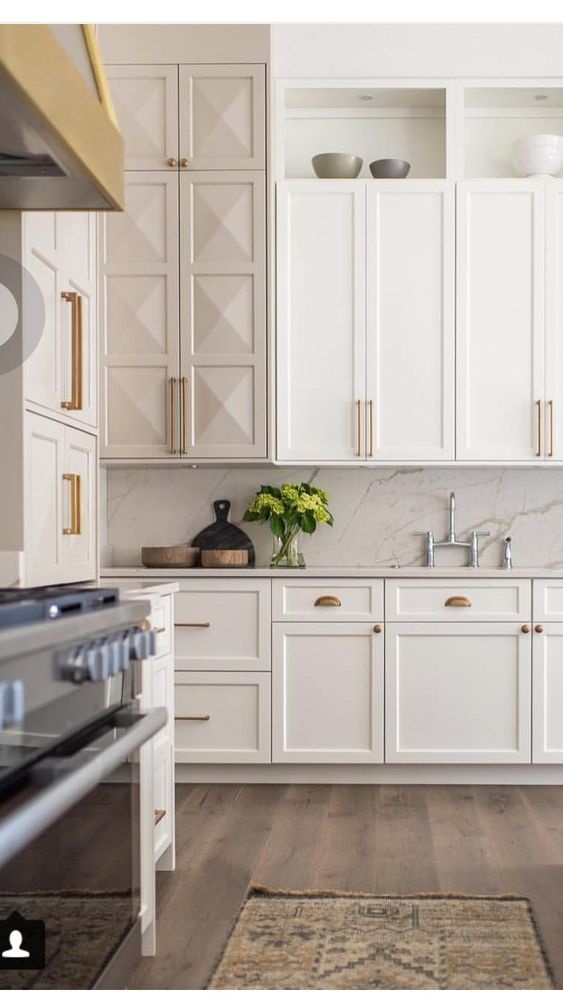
(507, 553)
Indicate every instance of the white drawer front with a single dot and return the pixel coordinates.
(548, 599)
(161, 620)
(222, 717)
(327, 600)
(223, 625)
(458, 600)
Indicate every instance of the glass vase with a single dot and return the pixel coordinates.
(286, 554)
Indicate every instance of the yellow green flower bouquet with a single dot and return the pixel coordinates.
(289, 510)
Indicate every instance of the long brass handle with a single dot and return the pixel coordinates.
(538, 414)
(359, 427)
(192, 717)
(184, 435)
(551, 444)
(457, 602)
(193, 624)
(173, 416)
(371, 430)
(159, 631)
(328, 601)
(75, 503)
(75, 300)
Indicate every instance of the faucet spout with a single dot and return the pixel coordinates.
(451, 532)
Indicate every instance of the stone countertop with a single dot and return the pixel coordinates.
(332, 572)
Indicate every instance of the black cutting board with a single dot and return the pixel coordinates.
(221, 534)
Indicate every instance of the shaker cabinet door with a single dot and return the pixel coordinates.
(321, 321)
(410, 320)
(500, 320)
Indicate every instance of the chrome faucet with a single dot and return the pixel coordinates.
(452, 541)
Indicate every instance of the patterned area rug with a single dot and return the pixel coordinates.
(326, 940)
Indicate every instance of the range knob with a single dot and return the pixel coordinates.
(12, 703)
(142, 644)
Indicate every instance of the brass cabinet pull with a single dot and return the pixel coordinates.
(184, 407)
(75, 503)
(193, 624)
(192, 717)
(184, 162)
(172, 161)
(75, 300)
(538, 414)
(550, 452)
(539, 628)
(359, 427)
(145, 624)
(159, 631)
(457, 602)
(173, 416)
(328, 601)
(525, 628)
(378, 628)
(371, 430)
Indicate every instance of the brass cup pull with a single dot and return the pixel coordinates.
(184, 162)
(172, 161)
(328, 601)
(457, 602)
(378, 628)
(75, 503)
(526, 628)
(193, 624)
(539, 628)
(192, 717)
(75, 402)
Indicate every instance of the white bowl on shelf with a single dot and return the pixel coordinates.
(538, 154)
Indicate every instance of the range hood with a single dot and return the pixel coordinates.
(60, 146)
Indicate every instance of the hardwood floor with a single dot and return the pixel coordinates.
(371, 838)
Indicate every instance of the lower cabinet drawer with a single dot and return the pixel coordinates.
(223, 624)
(222, 717)
(445, 600)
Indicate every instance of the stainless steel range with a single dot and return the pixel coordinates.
(70, 729)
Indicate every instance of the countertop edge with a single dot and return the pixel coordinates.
(331, 572)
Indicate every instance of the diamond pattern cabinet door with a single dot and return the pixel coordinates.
(146, 104)
(59, 251)
(223, 318)
(139, 320)
(222, 117)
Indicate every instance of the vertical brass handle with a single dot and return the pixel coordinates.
(359, 427)
(538, 414)
(371, 431)
(75, 503)
(75, 300)
(551, 439)
(173, 416)
(184, 438)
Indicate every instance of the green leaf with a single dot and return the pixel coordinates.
(308, 522)
(277, 526)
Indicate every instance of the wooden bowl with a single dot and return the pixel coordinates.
(224, 558)
(172, 557)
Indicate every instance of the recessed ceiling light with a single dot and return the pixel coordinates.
(540, 97)
(366, 97)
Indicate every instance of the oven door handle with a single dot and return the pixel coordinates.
(25, 824)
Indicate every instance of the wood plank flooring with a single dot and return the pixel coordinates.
(382, 839)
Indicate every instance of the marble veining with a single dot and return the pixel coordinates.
(376, 512)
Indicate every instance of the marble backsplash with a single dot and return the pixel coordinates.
(375, 512)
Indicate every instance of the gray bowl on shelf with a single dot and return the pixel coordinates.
(337, 166)
(389, 169)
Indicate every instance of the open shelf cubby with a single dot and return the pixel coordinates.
(495, 116)
(372, 122)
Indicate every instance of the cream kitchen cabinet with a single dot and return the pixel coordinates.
(184, 269)
(458, 693)
(60, 503)
(327, 693)
(548, 671)
(368, 298)
(223, 624)
(59, 252)
(222, 717)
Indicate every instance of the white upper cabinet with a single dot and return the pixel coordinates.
(500, 321)
(321, 320)
(59, 251)
(410, 320)
(222, 117)
(146, 105)
(553, 436)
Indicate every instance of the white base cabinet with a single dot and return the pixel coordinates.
(458, 693)
(222, 717)
(328, 693)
